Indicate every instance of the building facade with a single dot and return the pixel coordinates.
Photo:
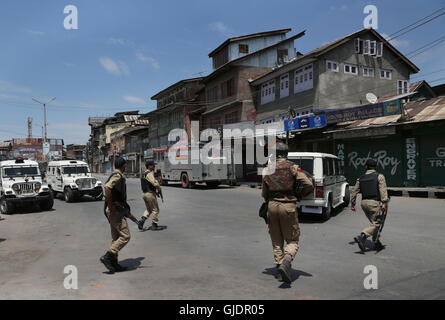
(343, 73)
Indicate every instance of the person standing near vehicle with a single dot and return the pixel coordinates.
(279, 191)
(151, 189)
(372, 186)
(116, 209)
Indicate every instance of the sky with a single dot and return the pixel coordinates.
(124, 52)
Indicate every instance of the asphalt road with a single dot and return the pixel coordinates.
(215, 246)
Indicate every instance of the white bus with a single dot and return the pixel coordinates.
(189, 174)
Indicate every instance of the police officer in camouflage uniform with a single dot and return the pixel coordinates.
(151, 189)
(116, 209)
(278, 190)
(372, 186)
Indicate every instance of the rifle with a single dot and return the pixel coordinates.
(125, 207)
(379, 232)
(263, 212)
(161, 195)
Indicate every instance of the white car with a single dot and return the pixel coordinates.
(331, 190)
(73, 179)
(21, 184)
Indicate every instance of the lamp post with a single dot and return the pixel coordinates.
(44, 114)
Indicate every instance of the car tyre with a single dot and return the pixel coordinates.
(6, 207)
(326, 212)
(347, 197)
(69, 195)
(185, 182)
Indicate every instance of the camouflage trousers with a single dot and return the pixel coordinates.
(283, 227)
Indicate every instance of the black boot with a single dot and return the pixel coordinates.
(108, 261)
(278, 274)
(117, 266)
(141, 223)
(154, 226)
(285, 268)
(361, 240)
(378, 246)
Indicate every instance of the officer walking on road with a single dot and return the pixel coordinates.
(116, 209)
(372, 186)
(151, 189)
(279, 191)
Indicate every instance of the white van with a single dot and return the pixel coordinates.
(73, 179)
(20, 184)
(331, 190)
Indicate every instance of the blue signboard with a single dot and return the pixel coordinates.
(356, 113)
(311, 122)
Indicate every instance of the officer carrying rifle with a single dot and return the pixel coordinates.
(116, 209)
(372, 186)
(151, 189)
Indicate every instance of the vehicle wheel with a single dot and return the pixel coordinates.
(347, 197)
(46, 205)
(99, 197)
(185, 182)
(5, 207)
(326, 212)
(69, 195)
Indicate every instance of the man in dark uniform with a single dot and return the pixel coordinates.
(278, 189)
(372, 186)
(116, 209)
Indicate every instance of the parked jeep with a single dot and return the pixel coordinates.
(331, 190)
(21, 184)
(73, 179)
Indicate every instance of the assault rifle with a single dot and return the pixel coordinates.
(385, 214)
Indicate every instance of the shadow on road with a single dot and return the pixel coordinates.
(132, 264)
(160, 228)
(2, 239)
(295, 274)
(369, 246)
(29, 209)
(61, 197)
(201, 187)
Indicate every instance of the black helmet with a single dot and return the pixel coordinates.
(371, 163)
(119, 162)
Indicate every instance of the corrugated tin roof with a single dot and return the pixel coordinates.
(140, 122)
(417, 111)
(131, 117)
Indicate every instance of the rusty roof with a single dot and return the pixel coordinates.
(416, 112)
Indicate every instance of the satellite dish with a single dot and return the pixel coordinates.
(371, 97)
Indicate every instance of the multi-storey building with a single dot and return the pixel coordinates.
(339, 74)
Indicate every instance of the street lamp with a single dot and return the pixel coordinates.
(44, 113)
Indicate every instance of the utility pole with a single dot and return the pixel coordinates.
(45, 138)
